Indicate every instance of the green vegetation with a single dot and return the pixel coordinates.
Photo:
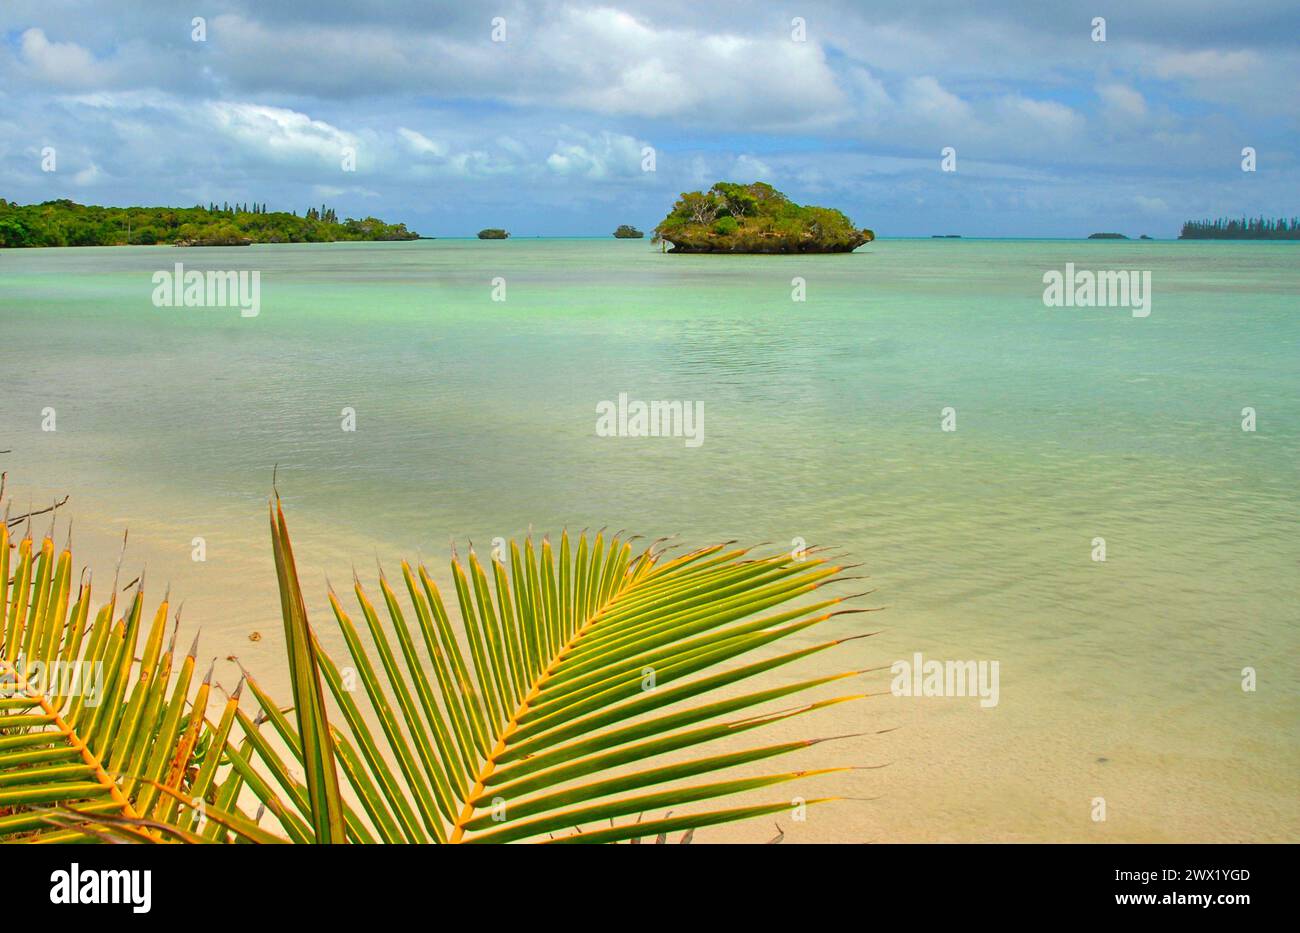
(1258, 228)
(558, 706)
(66, 223)
(1107, 236)
(492, 233)
(628, 232)
(755, 218)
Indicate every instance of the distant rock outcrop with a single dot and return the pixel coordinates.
(628, 232)
(492, 233)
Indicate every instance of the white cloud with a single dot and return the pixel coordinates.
(869, 92)
(747, 169)
(1122, 102)
(1240, 77)
(63, 64)
(1207, 64)
(596, 59)
(278, 133)
(1152, 205)
(926, 98)
(88, 175)
(1047, 117)
(421, 144)
(597, 156)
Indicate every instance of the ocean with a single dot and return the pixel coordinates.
(921, 410)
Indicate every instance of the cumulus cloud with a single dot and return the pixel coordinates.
(925, 97)
(280, 134)
(604, 155)
(596, 59)
(62, 64)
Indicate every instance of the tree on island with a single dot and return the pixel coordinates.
(755, 218)
(492, 233)
(628, 232)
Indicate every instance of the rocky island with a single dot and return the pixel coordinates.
(492, 233)
(628, 232)
(755, 218)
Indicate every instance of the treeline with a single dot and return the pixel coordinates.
(66, 223)
(1256, 228)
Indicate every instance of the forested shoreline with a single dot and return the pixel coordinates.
(66, 223)
(1255, 228)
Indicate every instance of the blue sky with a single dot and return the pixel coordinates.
(544, 133)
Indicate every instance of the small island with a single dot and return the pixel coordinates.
(755, 218)
(67, 223)
(628, 232)
(492, 233)
(1107, 236)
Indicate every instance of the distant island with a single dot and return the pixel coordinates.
(628, 232)
(755, 218)
(1257, 228)
(945, 236)
(1114, 236)
(66, 223)
(492, 233)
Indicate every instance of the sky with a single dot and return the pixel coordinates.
(569, 118)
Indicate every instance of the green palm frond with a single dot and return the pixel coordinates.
(88, 732)
(577, 674)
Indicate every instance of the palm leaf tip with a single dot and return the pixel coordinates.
(309, 701)
(82, 747)
(519, 715)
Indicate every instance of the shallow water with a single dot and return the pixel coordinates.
(476, 418)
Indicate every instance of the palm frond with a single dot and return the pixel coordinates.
(575, 674)
(91, 739)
